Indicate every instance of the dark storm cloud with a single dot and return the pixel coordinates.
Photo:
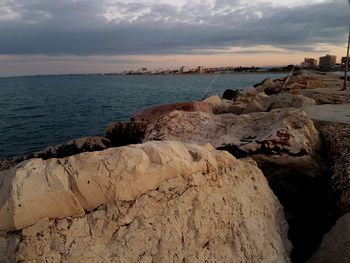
(111, 27)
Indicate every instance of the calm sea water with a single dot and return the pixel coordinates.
(36, 112)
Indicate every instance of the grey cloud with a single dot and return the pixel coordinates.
(68, 27)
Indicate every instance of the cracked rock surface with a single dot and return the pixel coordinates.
(155, 202)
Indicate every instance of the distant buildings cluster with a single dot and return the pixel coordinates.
(199, 70)
(325, 63)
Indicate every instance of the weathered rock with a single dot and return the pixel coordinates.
(152, 113)
(230, 94)
(286, 146)
(221, 106)
(76, 146)
(125, 133)
(260, 103)
(336, 137)
(6, 164)
(335, 246)
(263, 102)
(280, 135)
(156, 202)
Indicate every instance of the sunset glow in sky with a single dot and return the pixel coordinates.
(85, 36)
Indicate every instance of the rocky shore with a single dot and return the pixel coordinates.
(260, 175)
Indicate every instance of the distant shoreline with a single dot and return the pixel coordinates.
(119, 74)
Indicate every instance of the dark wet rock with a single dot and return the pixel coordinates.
(6, 164)
(125, 133)
(230, 94)
(76, 146)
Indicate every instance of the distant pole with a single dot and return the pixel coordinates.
(347, 63)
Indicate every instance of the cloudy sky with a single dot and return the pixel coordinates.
(81, 36)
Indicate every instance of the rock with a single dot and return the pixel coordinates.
(328, 98)
(265, 82)
(221, 106)
(274, 88)
(125, 133)
(335, 246)
(230, 94)
(286, 146)
(6, 164)
(86, 144)
(280, 135)
(262, 102)
(336, 137)
(152, 113)
(156, 202)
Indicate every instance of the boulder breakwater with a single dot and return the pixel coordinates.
(259, 175)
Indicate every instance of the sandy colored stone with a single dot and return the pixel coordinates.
(162, 202)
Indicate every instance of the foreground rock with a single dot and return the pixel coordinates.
(156, 202)
(280, 136)
(335, 246)
(153, 113)
(287, 147)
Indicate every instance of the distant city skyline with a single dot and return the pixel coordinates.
(62, 37)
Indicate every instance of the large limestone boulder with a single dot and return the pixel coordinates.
(335, 246)
(286, 146)
(152, 113)
(155, 202)
(281, 136)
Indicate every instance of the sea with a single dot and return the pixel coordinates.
(39, 111)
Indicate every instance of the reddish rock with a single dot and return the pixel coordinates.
(150, 114)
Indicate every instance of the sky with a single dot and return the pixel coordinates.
(87, 36)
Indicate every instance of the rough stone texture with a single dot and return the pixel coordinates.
(263, 102)
(86, 144)
(335, 246)
(6, 164)
(125, 133)
(286, 146)
(156, 202)
(152, 113)
(221, 106)
(336, 137)
(280, 136)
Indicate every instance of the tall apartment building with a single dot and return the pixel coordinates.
(328, 62)
(310, 63)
